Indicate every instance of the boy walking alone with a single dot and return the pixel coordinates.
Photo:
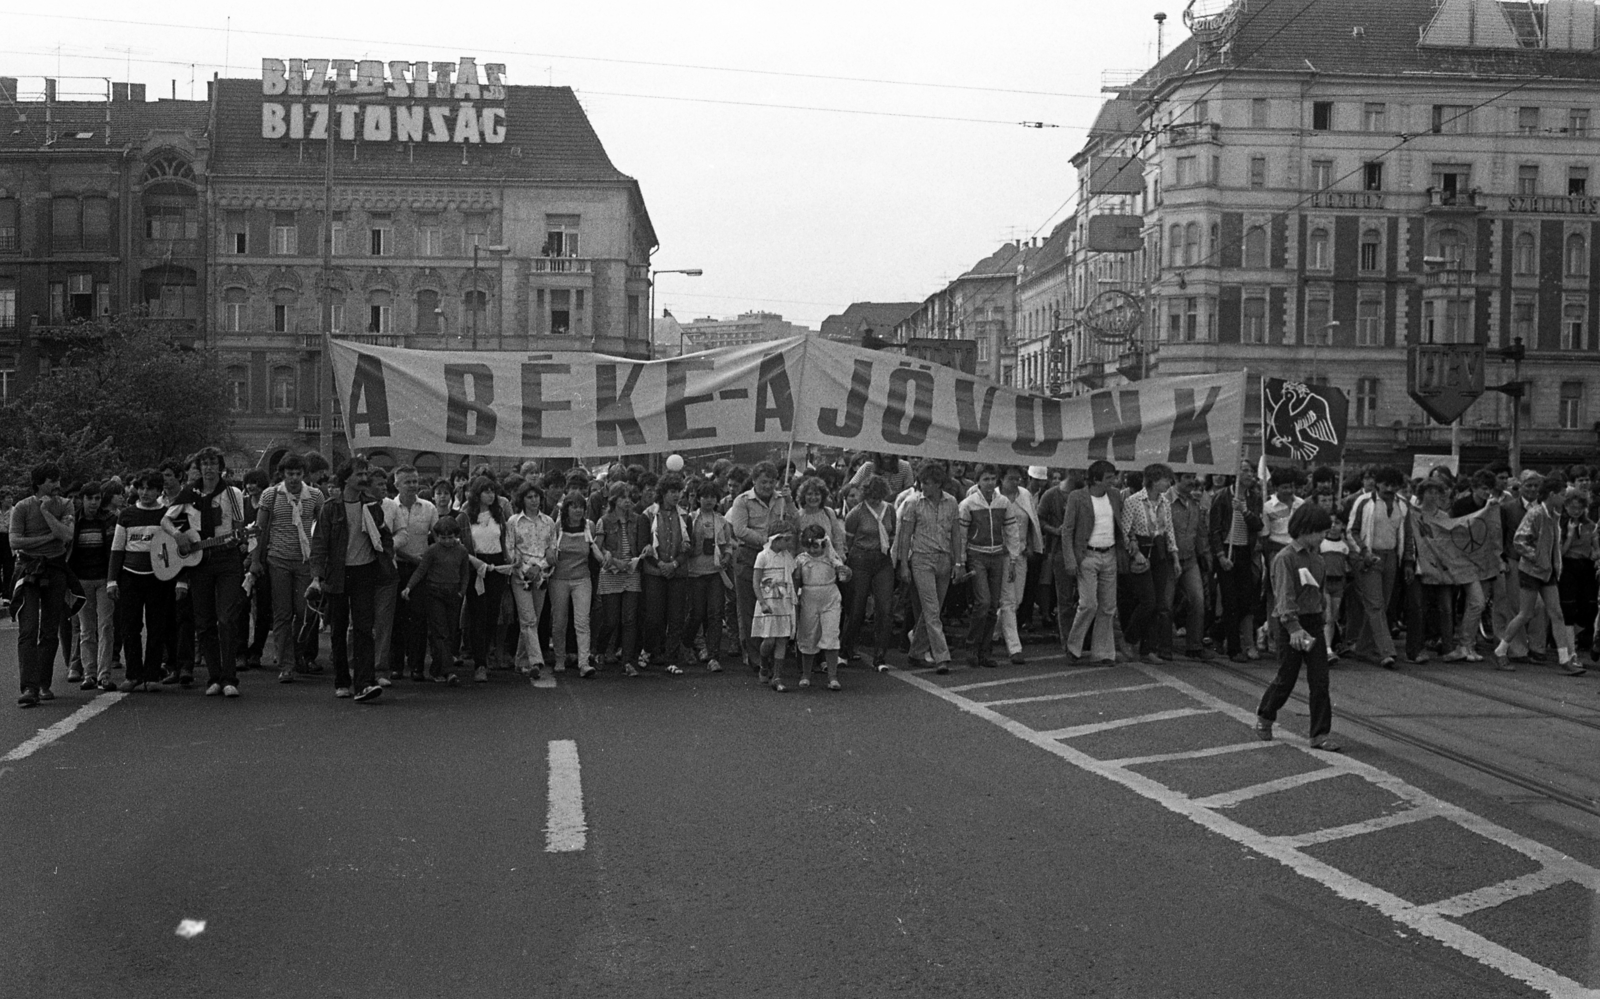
(1298, 603)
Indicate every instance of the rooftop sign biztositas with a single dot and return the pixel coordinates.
(427, 102)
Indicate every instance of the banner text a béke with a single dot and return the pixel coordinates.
(573, 404)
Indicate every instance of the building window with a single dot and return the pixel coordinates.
(1578, 123)
(1319, 251)
(475, 309)
(983, 349)
(1366, 402)
(1371, 250)
(560, 311)
(9, 242)
(381, 236)
(280, 318)
(1577, 255)
(1374, 117)
(1450, 245)
(1451, 119)
(238, 242)
(1321, 174)
(8, 308)
(336, 317)
(1258, 172)
(1319, 319)
(1523, 258)
(1528, 121)
(1527, 179)
(1574, 325)
(1452, 180)
(65, 224)
(1175, 246)
(1571, 405)
(560, 236)
(1183, 319)
(1258, 112)
(1185, 174)
(233, 306)
(170, 222)
(1369, 322)
(1447, 320)
(340, 235)
(1255, 247)
(1524, 317)
(285, 238)
(380, 308)
(283, 390)
(238, 389)
(1191, 244)
(1372, 177)
(430, 237)
(427, 311)
(1578, 182)
(1322, 116)
(634, 304)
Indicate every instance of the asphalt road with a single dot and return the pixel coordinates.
(882, 841)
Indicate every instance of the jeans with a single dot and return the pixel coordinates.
(528, 600)
(442, 608)
(1290, 660)
(289, 582)
(1375, 588)
(143, 600)
(39, 610)
(1472, 613)
(1065, 585)
(1012, 601)
(215, 590)
(95, 620)
(1194, 596)
(704, 613)
(410, 634)
(351, 613)
(931, 576)
(1097, 604)
(383, 614)
(570, 600)
(483, 612)
(988, 583)
(871, 577)
(1238, 595)
(664, 601)
(619, 624)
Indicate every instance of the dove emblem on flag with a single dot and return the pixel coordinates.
(1299, 420)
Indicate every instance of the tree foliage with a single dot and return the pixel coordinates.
(126, 394)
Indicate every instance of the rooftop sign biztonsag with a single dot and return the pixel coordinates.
(426, 102)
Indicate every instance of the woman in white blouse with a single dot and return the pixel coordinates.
(533, 538)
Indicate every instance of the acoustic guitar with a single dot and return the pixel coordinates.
(167, 561)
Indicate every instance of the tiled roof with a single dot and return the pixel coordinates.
(548, 138)
(1051, 253)
(867, 315)
(1002, 262)
(129, 122)
(1118, 116)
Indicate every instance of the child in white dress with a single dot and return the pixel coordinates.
(818, 573)
(773, 620)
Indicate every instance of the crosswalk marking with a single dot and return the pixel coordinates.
(1074, 731)
(1042, 698)
(565, 830)
(1030, 678)
(1430, 920)
(46, 736)
(1227, 799)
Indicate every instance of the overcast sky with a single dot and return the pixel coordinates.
(793, 211)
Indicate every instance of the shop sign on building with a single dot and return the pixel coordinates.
(422, 101)
(1445, 378)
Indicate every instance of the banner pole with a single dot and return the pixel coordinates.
(794, 415)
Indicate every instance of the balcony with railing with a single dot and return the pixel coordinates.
(313, 341)
(1449, 276)
(1193, 133)
(1444, 201)
(172, 249)
(311, 423)
(562, 265)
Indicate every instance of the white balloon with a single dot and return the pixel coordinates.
(674, 462)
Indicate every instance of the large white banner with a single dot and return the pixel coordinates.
(812, 390)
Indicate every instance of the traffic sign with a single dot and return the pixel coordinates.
(1445, 379)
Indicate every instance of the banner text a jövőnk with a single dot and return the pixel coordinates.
(576, 404)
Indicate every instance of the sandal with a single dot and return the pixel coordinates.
(674, 669)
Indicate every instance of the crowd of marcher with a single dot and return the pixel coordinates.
(157, 573)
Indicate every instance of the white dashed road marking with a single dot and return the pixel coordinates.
(1433, 920)
(565, 830)
(48, 735)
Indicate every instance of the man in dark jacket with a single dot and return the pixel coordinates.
(1235, 520)
(352, 554)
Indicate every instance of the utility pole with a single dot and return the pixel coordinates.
(325, 437)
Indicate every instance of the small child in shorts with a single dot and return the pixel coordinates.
(818, 572)
(773, 620)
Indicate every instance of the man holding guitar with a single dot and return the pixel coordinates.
(214, 514)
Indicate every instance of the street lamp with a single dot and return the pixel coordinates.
(1315, 336)
(688, 271)
(477, 313)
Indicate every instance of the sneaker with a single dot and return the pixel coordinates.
(384, 681)
(371, 693)
(779, 688)
(712, 666)
(89, 683)
(629, 669)
(453, 679)
(1455, 655)
(106, 683)
(213, 690)
(1018, 659)
(1252, 653)
(835, 685)
(46, 694)
(1263, 729)
(1571, 668)
(229, 690)
(341, 692)
(28, 699)
(586, 670)
(942, 668)
(1326, 744)
(805, 683)
(881, 666)
(286, 676)
(1152, 658)
(480, 675)
(1387, 662)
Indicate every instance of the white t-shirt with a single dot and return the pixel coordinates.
(1104, 534)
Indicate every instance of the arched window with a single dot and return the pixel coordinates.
(1255, 247)
(380, 312)
(1319, 255)
(1371, 250)
(1523, 258)
(1577, 255)
(283, 394)
(238, 389)
(429, 466)
(427, 311)
(1451, 245)
(475, 307)
(1191, 244)
(1211, 244)
(1175, 246)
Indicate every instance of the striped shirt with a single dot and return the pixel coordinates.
(283, 542)
(137, 527)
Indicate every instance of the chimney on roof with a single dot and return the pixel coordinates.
(8, 88)
(136, 93)
(119, 91)
(49, 89)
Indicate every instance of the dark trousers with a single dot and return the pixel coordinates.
(410, 643)
(254, 622)
(872, 577)
(1150, 618)
(353, 611)
(1289, 661)
(178, 649)
(442, 608)
(215, 591)
(664, 603)
(1238, 586)
(619, 624)
(744, 563)
(706, 595)
(8, 563)
(1065, 586)
(988, 579)
(1030, 589)
(1429, 604)
(144, 602)
(40, 609)
(483, 612)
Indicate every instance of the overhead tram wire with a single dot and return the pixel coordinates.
(655, 64)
